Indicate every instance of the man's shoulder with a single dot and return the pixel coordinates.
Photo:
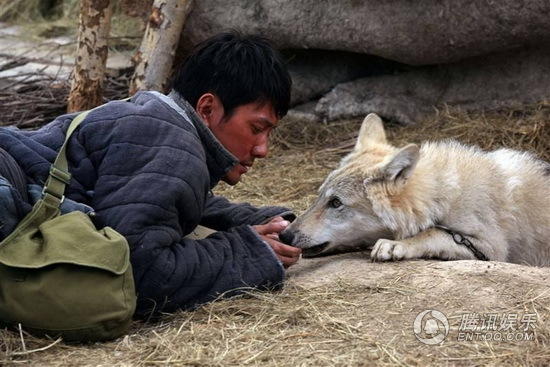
(145, 130)
(145, 116)
(144, 106)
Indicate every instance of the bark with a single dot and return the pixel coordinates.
(91, 55)
(154, 59)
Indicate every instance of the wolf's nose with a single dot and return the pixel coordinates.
(286, 236)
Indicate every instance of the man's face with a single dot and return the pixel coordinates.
(244, 133)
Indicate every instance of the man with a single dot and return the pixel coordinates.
(147, 166)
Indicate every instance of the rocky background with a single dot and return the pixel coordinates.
(400, 58)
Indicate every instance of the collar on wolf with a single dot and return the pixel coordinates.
(462, 240)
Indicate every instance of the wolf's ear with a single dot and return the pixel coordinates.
(402, 164)
(372, 131)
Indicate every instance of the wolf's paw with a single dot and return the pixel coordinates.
(385, 250)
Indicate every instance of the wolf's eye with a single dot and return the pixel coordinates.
(335, 203)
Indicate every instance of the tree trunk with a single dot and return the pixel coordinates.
(153, 62)
(91, 55)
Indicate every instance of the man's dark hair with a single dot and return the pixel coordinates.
(239, 70)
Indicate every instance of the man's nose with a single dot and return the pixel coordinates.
(261, 148)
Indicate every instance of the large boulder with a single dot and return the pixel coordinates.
(399, 59)
(472, 303)
(411, 32)
(316, 72)
(508, 80)
(446, 278)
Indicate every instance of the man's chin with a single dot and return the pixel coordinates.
(231, 179)
(233, 176)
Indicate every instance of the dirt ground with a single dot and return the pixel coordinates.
(357, 313)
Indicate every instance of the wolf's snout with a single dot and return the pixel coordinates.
(286, 237)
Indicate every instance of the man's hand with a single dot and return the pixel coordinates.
(269, 232)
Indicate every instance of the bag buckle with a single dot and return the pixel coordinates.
(60, 175)
(44, 192)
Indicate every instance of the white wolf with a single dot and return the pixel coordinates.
(443, 200)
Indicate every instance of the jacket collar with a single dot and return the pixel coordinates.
(218, 159)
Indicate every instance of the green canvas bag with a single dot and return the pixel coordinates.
(59, 275)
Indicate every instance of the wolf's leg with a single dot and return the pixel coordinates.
(432, 243)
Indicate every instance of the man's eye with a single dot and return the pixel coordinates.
(335, 203)
(256, 129)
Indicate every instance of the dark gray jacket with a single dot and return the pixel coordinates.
(147, 167)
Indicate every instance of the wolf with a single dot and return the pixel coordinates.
(443, 200)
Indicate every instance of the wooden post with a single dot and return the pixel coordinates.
(91, 55)
(155, 57)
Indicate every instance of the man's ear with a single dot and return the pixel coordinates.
(402, 164)
(210, 108)
(372, 131)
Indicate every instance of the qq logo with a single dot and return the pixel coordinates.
(431, 327)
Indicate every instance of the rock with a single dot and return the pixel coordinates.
(473, 43)
(303, 112)
(488, 82)
(357, 267)
(449, 282)
(409, 32)
(315, 72)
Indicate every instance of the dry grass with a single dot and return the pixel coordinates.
(346, 324)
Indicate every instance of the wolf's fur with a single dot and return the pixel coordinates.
(393, 198)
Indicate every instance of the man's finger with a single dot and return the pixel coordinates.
(271, 227)
(288, 261)
(286, 250)
(288, 255)
(276, 219)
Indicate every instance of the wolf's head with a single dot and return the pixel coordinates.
(354, 207)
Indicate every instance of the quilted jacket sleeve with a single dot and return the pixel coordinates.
(150, 183)
(221, 214)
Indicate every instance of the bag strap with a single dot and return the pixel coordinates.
(59, 176)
